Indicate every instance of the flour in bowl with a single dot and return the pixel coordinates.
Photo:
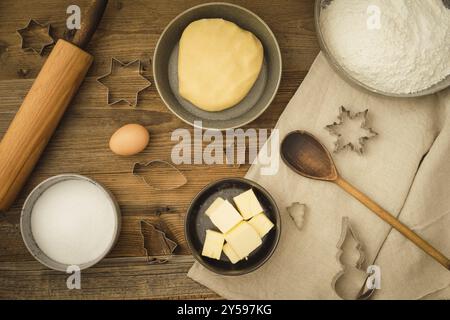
(400, 46)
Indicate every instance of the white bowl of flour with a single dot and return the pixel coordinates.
(70, 220)
(395, 48)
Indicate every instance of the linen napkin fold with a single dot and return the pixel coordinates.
(390, 172)
(427, 212)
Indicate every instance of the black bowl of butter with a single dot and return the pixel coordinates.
(233, 226)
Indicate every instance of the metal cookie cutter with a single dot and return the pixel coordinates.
(31, 33)
(297, 213)
(135, 77)
(347, 115)
(148, 165)
(159, 248)
(352, 265)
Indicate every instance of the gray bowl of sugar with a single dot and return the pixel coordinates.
(70, 220)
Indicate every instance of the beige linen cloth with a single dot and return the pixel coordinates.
(390, 172)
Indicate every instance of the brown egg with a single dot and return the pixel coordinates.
(129, 140)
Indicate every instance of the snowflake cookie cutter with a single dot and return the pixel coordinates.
(27, 35)
(115, 65)
(345, 115)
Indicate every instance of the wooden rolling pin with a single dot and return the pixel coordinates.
(44, 105)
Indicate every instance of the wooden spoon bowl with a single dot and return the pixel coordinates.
(301, 152)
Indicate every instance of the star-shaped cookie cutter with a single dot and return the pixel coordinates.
(33, 24)
(347, 114)
(116, 63)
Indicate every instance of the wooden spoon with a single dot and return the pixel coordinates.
(304, 154)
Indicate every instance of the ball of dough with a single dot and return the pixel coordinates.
(218, 63)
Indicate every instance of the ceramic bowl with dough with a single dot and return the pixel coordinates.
(218, 63)
(261, 94)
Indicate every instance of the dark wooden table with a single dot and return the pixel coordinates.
(129, 31)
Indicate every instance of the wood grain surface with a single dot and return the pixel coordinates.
(129, 30)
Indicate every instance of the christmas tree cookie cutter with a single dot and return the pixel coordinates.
(297, 213)
(159, 248)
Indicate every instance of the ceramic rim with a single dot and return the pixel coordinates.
(174, 20)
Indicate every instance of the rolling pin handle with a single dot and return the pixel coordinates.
(89, 23)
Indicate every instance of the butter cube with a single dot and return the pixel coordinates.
(243, 239)
(216, 203)
(225, 216)
(230, 253)
(248, 204)
(213, 245)
(261, 224)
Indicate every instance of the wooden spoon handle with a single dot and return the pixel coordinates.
(394, 222)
